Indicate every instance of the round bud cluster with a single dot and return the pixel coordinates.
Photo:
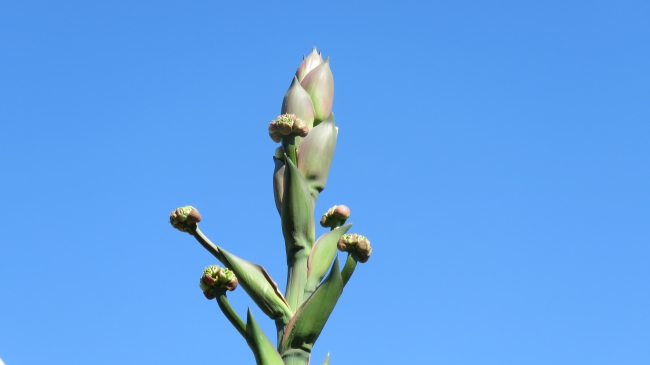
(335, 216)
(181, 217)
(215, 279)
(355, 243)
(285, 125)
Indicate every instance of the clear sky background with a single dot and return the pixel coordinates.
(495, 153)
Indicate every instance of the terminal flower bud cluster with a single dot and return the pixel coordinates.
(182, 217)
(355, 243)
(215, 279)
(285, 125)
(335, 216)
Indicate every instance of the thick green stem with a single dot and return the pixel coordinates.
(296, 278)
(296, 357)
(279, 328)
(348, 269)
(230, 313)
(290, 146)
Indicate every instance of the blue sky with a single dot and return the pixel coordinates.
(496, 155)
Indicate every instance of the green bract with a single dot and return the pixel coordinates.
(319, 84)
(297, 101)
(308, 322)
(309, 63)
(265, 353)
(315, 155)
(321, 256)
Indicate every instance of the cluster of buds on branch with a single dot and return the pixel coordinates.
(307, 133)
(182, 218)
(335, 216)
(285, 125)
(355, 243)
(216, 279)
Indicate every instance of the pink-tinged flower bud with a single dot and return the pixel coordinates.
(319, 84)
(275, 135)
(285, 125)
(357, 244)
(296, 101)
(309, 63)
(182, 217)
(335, 216)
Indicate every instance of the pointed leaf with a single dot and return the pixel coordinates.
(297, 211)
(308, 322)
(321, 257)
(265, 352)
(327, 359)
(259, 286)
(315, 155)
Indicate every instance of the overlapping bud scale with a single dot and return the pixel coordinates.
(309, 63)
(298, 102)
(319, 84)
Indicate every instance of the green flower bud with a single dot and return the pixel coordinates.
(319, 84)
(287, 124)
(335, 216)
(297, 101)
(356, 244)
(309, 63)
(181, 217)
(214, 279)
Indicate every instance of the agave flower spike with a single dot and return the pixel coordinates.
(307, 133)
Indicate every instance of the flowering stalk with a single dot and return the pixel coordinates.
(307, 133)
